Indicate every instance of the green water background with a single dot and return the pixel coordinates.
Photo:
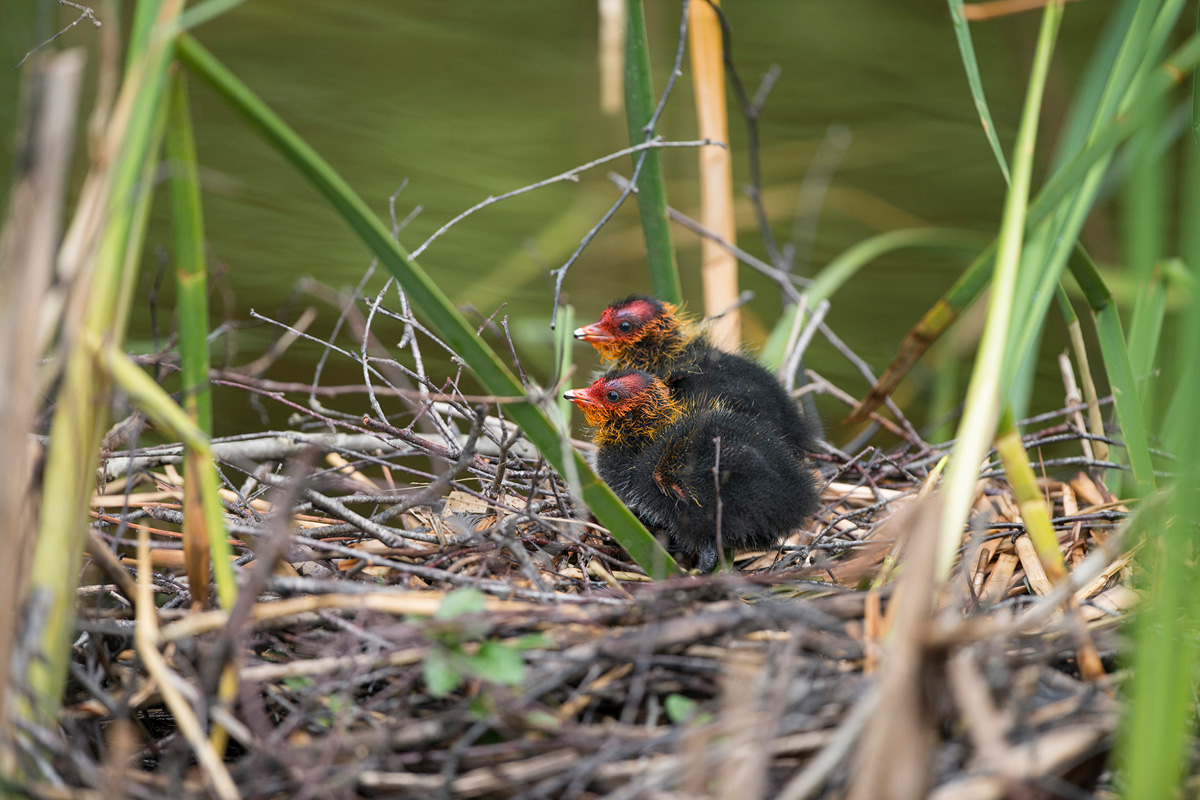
(468, 99)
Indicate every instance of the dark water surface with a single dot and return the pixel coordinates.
(469, 98)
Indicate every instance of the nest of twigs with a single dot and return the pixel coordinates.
(425, 611)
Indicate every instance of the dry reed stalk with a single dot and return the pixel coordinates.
(28, 246)
(719, 266)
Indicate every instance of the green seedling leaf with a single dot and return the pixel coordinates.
(466, 600)
(441, 672)
(498, 663)
(532, 641)
(680, 708)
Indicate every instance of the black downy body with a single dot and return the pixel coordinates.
(662, 467)
(741, 385)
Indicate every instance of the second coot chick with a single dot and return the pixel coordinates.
(658, 455)
(645, 333)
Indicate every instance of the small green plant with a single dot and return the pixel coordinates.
(681, 709)
(454, 631)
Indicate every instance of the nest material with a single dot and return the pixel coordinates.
(805, 674)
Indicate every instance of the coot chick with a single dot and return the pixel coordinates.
(645, 333)
(658, 454)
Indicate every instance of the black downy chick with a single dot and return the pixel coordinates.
(659, 454)
(645, 333)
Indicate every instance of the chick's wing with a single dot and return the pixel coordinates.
(675, 467)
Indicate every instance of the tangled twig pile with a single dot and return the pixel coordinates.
(431, 614)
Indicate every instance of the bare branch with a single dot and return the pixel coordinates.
(85, 13)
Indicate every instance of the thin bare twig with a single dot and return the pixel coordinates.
(571, 175)
(85, 13)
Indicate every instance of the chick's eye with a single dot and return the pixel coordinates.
(612, 396)
(625, 326)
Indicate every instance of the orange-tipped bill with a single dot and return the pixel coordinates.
(580, 397)
(594, 411)
(593, 333)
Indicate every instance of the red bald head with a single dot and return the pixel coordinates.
(625, 403)
(626, 323)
